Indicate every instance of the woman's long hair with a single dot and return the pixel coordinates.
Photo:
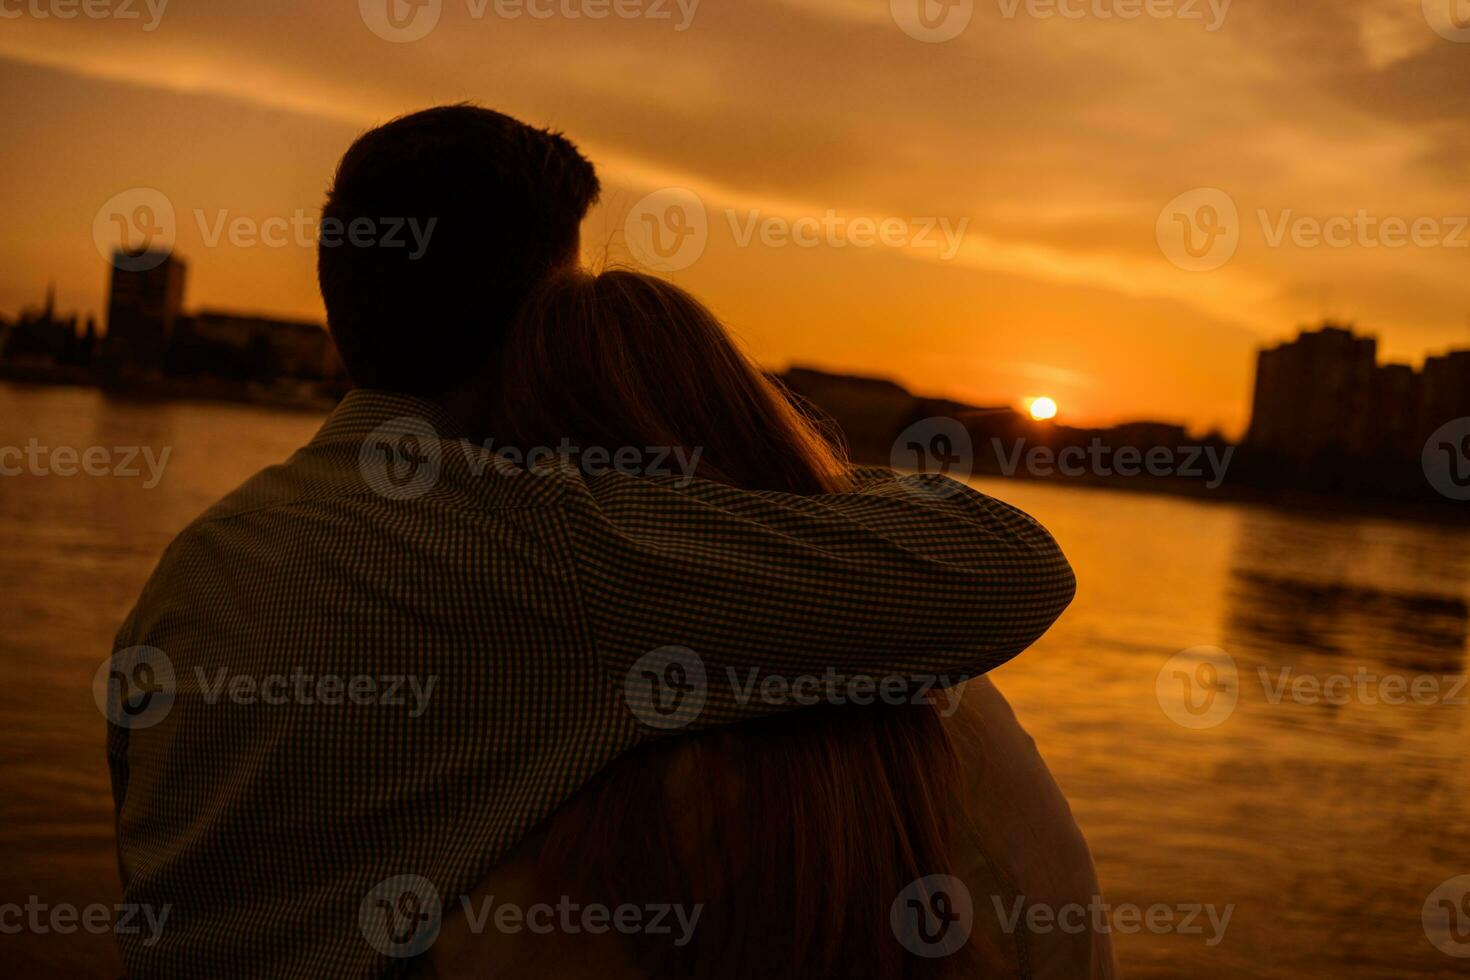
(798, 831)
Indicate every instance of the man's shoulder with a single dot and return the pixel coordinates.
(320, 512)
(431, 476)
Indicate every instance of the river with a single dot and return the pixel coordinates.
(1319, 789)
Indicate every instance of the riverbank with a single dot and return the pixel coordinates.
(290, 394)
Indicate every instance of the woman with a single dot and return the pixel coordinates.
(797, 834)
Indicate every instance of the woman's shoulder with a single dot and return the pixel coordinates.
(1020, 848)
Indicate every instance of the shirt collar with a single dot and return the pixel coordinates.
(364, 410)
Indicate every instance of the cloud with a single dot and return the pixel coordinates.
(1057, 140)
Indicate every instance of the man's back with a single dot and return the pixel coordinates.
(365, 687)
(378, 665)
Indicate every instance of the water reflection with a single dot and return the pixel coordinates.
(1325, 820)
(1351, 589)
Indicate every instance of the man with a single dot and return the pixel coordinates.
(296, 817)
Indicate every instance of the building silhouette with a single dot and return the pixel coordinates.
(153, 343)
(1326, 415)
(45, 337)
(150, 335)
(1311, 393)
(1444, 392)
(1324, 392)
(260, 347)
(145, 301)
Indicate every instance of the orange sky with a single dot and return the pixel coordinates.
(1053, 144)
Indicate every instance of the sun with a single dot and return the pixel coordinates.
(1043, 408)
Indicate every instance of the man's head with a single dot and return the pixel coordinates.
(495, 206)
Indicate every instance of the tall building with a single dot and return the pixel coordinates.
(1325, 394)
(1446, 391)
(1385, 420)
(145, 303)
(1313, 393)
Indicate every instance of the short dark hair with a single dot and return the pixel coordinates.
(505, 200)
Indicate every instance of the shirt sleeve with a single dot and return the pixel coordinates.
(760, 601)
